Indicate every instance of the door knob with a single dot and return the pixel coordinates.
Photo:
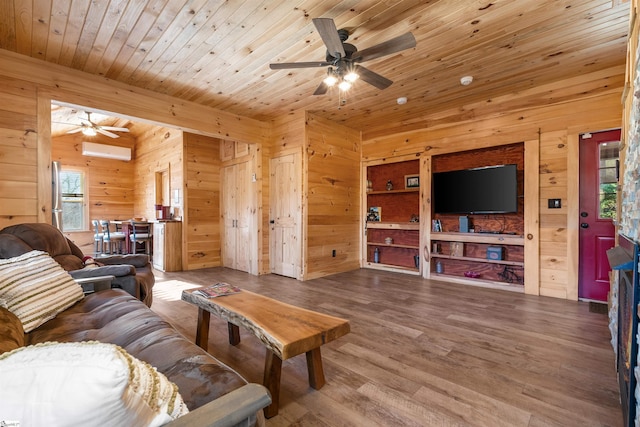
(584, 225)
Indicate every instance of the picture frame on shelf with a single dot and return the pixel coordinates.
(411, 181)
(456, 249)
(374, 214)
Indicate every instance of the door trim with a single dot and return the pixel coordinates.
(573, 215)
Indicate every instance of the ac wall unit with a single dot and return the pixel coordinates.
(106, 151)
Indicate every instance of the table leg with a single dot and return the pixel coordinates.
(314, 367)
(234, 334)
(202, 330)
(272, 371)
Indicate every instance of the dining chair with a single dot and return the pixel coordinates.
(98, 238)
(112, 240)
(141, 234)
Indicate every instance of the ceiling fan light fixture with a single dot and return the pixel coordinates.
(88, 131)
(344, 85)
(330, 80)
(351, 76)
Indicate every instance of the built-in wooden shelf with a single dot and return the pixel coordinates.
(392, 245)
(490, 238)
(392, 267)
(394, 225)
(488, 261)
(514, 287)
(407, 190)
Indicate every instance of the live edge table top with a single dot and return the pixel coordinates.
(284, 329)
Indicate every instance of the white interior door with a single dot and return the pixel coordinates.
(243, 217)
(229, 204)
(285, 252)
(239, 245)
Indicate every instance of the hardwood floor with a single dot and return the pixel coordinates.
(424, 353)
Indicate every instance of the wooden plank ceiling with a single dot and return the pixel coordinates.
(217, 52)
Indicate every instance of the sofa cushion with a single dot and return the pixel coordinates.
(44, 237)
(85, 383)
(11, 332)
(113, 316)
(12, 246)
(36, 288)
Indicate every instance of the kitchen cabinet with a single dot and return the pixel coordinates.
(167, 245)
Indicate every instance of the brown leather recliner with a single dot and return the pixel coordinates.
(132, 273)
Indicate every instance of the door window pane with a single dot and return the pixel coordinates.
(608, 181)
(72, 184)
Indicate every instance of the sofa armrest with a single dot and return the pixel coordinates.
(106, 270)
(95, 284)
(229, 410)
(137, 260)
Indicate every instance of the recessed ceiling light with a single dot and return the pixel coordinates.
(402, 100)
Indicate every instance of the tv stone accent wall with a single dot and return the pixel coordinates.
(630, 200)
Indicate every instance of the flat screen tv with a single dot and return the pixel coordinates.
(492, 189)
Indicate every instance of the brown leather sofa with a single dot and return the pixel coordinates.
(215, 394)
(133, 273)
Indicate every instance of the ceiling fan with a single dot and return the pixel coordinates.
(342, 58)
(89, 128)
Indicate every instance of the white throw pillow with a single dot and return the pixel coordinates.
(84, 384)
(35, 288)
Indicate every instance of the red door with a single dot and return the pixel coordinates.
(598, 184)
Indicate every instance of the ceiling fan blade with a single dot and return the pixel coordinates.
(117, 129)
(372, 78)
(329, 33)
(396, 44)
(76, 130)
(322, 89)
(106, 133)
(286, 65)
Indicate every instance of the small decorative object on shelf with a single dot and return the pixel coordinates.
(436, 248)
(388, 240)
(436, 225)
(457, 249)
(414, 218)
(375, 214)
(495, 252)
(439, 268)
(369, 185)
(411, 181)
(416, 260)
(389, 185)
(471, 274)
(376, 256)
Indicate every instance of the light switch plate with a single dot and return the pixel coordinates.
(555, 203)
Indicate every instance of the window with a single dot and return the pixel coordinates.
(609, 163)
(72, 184)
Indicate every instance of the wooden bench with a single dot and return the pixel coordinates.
(284, 329)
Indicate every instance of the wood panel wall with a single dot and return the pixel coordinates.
(27, 87)
(157, 150)
(332, 198)
(110, 182)
(19, 201)
(556, 125)
(202, 240)
(557, 111)
(330, 189)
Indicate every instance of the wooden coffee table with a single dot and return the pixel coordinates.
(284, 329)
